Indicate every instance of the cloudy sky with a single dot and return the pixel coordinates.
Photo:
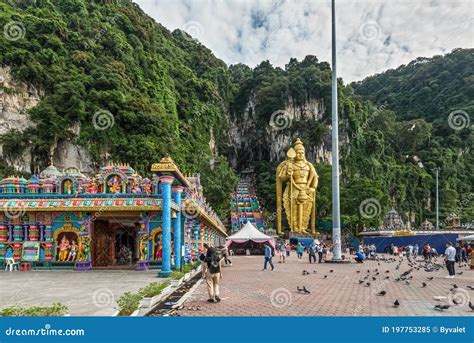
(372, 36)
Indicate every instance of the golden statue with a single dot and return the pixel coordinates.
(299, 196)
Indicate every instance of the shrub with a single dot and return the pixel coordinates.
(152, 289)
(54, 310)
(128, 303)
(176, 275)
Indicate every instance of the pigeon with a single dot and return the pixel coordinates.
(325, 276)
(470, 287)
(305, 290)
(430, 278)
(441, 307)
(361, 281)
(368, 284)
(387, 277)
(387, 271)
(331, 271)
(299, 289)
(407, 282)
(358, 271)
(455, 301)
(374, 278)
(471, 306)
(455, 286)
(460, 273)
(396, 303)
(423, 284)
(314, 271)
(381, 293)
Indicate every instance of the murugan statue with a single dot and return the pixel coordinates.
(299, 196)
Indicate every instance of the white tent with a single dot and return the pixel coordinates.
(467, 238)
(249, 233)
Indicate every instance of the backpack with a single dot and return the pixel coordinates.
(213, 263)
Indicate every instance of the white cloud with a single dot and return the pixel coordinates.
(372, 36)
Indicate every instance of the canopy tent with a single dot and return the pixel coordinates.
(466, 238)
(249, 233)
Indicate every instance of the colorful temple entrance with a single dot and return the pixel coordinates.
(114, 242)
(114, 219)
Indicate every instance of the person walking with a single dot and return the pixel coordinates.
(320, 253)
(282, 251)
(415, 250)
(463, 255)
(268, 257)
(312, 252)
(213, 274)
(288, 250)
(299, 251)
(409, 252)
(225, 253)
(450, 258)
(426, 252)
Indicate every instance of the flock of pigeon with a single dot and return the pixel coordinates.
(406, 277)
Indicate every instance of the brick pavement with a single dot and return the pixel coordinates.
(247, 291)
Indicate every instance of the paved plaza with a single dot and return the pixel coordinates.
(90, 293)
(248, 291)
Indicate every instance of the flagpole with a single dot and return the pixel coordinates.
(336, 220)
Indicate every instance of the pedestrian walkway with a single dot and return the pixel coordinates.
(248, 291)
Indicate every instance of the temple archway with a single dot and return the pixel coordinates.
(67, 243)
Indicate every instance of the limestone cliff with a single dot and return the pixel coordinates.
(16, 98)
(252, 141)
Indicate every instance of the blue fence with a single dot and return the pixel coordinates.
(437, 241)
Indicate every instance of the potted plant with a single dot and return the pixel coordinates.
(177, 278)
(152, 293)
(128, 303)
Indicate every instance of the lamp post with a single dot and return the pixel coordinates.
(336, 220)
(437, 197)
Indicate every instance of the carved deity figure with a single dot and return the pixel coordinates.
(63, 249)
(143, 247)
(301, 180)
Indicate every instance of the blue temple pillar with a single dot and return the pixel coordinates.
(166, 182)
(197, 227)
(177, 190)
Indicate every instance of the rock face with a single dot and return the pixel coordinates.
(255, 142)
(16, 98)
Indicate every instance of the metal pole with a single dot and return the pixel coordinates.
(336, 221)
(437, 198)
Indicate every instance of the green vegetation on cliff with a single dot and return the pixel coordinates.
(386, 156)
(161, 92)
(153, 92)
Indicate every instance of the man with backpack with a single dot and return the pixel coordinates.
(213, 273)
(268, 257)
